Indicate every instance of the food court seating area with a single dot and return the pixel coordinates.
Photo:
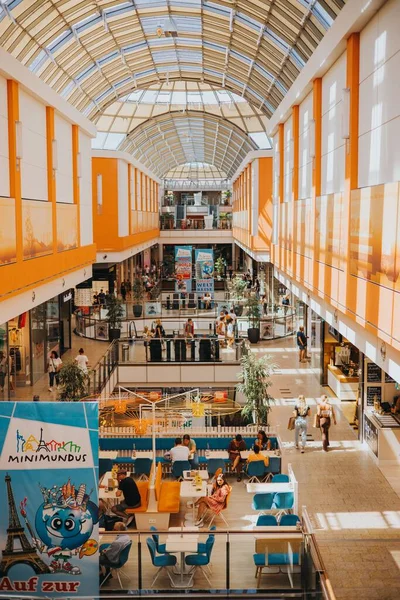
(206, 447)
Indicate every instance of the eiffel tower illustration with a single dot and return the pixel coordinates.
(26, 553)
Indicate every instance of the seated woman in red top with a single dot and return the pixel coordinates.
(215, 502)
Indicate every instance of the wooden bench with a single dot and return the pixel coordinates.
(168, 493)
(163, 501)
(143, 487)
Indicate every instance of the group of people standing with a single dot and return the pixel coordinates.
(324, 418)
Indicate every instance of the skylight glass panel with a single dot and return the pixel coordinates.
(38, 62)
(113, 141)
(98, 141)
(261, 139)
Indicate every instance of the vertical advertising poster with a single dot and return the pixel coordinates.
(204, 270)
(48, 498)
(183, 268)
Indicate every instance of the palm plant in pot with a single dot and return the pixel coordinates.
(73, 381)
(219, 266)
(137, 295)
(238, 288)
(115, 313)
(255, 380)
(254, 317)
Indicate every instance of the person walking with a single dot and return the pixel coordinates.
(301, 412)
(53, 369)
(326, 414)
(82, 360)
(302, 344)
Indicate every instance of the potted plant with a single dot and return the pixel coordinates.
(73, 382)
(219, 266)
(253, 316)
(137, 295)
(228, 195)
(238, 288)
(255, 379)
(115, 313)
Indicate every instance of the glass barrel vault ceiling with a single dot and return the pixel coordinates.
(93, 52)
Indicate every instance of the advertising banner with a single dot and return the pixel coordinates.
(183, 268)
(204, 270)
(48, 496)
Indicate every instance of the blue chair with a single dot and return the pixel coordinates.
(262, 561)
(263, 502)
(283, 502)
(199, 561)
(266, 521)
(161, 548)
(178, 467)
(202, 546)
(162, 562)
(213, 464)
(143, 468)
(117, 568)
(255, 470)
(280, 478)
(273, 467)
(289, 520)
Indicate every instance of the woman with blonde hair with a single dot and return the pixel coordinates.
(301, 412)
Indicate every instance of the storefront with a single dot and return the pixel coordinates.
(381, 414)
(341, 365)
(27, 340)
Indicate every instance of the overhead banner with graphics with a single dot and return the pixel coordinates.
(48, 498)
(183, 268)
(204, 270)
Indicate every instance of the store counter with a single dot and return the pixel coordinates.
(343, 386)
(382, 434)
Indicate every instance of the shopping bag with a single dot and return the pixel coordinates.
(291, 423)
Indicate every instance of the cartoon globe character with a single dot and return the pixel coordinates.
(65, 526)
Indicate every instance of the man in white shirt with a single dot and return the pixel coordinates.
(179, 452)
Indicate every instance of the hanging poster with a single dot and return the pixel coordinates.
(183, 268)
(204, 270)
(48, 495)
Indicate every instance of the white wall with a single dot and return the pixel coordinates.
(64, 179)
(34, 160)
(288, 160)
(123, 204)
(132, 187)
(305, 162)
(333, 146)
(85, 189)
(379, 117)
(4, 164)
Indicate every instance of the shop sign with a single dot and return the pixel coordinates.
(48, 522)
(67, 296)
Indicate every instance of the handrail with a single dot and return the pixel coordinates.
(317, 557)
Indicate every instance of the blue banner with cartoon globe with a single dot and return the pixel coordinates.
(48, 498)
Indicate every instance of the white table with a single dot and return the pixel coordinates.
(244, 455)
(142, 454)
(178, 543)
(203, 474)
(189, 491)
(113, 454)
(266, 488)
(217, 454)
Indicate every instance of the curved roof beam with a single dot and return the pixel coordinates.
(165, 142)
(89, 50)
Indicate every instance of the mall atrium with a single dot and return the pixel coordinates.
(200, 299)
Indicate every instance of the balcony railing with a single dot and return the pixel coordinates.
(194, 224)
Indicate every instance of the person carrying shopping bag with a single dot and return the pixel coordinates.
(325, 416)
(301, 412)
